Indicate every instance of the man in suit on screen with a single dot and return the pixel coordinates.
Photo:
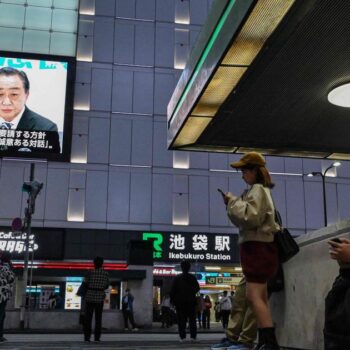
(15, 115)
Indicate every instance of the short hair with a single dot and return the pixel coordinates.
(98, 262)
(185, 266)
(225, 292)
(8, 71)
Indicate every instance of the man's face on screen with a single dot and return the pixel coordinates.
(12, 96)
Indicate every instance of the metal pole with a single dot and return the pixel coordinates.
(27, 228)
(324, 199)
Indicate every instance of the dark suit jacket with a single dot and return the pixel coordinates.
(32, 121)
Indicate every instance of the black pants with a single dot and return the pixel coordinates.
(2, 317)
(206, 319)
(128, 316)
(90, 308)
(185, 313)
(225, 314)
(166, 316)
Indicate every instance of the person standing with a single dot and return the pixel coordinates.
(183, 295)
(7, 279)
(337, 313)
(254, 214)
(97, 282)
(225, 307)
(200, 309)
(206, 312)
(128, 310)
(165, 309)
(242, 328)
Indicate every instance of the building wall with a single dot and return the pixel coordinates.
(121, 176)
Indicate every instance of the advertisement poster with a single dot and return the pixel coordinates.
(72, 301)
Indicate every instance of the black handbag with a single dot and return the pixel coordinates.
(82, 290)
(286, 244)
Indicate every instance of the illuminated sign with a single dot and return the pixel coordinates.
(206, 247)
(12, 242)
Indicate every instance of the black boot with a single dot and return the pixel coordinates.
(270, 341)
(261, 339)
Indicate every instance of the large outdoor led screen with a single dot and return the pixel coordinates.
(36, 105)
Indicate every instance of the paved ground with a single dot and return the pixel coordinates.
(129, 341)
(126, 341)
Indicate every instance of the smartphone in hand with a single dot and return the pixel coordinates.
(336, 240)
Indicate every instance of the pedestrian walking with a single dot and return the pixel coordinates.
(128, 310)
(206, 312)
(254, 214)
(7, 279)
(183, 296)
(165, 310)
(97, 282)
(225, 307)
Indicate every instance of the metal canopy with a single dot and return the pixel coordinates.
(278, 105)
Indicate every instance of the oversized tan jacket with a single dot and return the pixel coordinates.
(254, 214)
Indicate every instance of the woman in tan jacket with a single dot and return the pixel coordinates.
(254, 214)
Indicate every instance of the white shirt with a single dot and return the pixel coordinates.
(14, 121)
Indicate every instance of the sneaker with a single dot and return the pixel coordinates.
(240, 346)
(135, 329)
(182, 340)
(126, 329)
(223, 345)
(193, 340)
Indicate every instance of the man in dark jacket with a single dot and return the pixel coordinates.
(183, 296)
(97, 282)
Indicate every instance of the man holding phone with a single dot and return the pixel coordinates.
(337, 314)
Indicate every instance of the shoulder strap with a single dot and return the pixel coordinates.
(278, 217)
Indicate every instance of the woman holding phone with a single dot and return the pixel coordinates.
(254, 214)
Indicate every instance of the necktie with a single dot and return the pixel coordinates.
(6, 125)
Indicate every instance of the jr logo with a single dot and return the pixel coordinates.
(157, 239)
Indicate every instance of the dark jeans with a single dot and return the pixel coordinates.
(90, 308)
(128, 315)
(184, 313)
(225, 314)
(166, 316)
(2, 317)
(206, 319)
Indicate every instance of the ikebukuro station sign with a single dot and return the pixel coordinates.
(206, 247)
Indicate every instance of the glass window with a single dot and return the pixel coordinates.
(63, 44)
(11, 15)
(64, 21)
(42, 3)
(38, 18)
(36, 41)
(66, 4)
(20, 2)
(11, 39)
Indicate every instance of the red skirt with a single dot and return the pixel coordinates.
(259, 261)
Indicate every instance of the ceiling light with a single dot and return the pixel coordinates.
(340, 96)
(213, 268)
(336, 164)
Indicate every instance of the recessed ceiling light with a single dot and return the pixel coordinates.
(340, 96)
